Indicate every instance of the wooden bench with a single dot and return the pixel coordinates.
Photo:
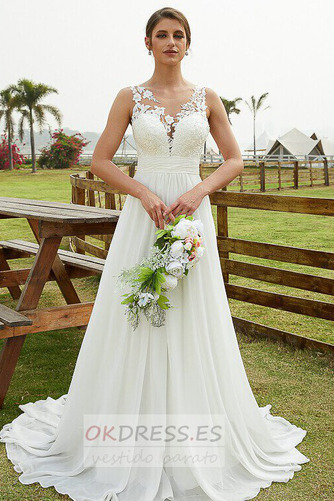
(12, 318)
(77, 265)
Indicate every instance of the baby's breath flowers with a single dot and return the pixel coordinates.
(176, 249)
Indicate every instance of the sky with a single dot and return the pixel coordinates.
(90, 50)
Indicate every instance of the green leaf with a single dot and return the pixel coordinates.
(163, 298)
(163, 302)
(144, 274)
(160, 233)
(128, 300)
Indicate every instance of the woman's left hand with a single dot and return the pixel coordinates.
(185, 204)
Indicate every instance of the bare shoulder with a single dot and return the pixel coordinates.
(212, 98)
(124, 95)
(123, 103)
(211, 94)
(215, 104)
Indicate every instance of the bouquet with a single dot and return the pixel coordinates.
(177, 248)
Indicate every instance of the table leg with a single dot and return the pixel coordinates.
(14, 291)
(29, 298)
(58, 268)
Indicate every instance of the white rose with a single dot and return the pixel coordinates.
(175, 268)
(171, 282)
(176, 249)
(184, 228)
(179, 230)
(188, 245)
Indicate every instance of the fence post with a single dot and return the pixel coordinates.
(262, 177)
(132, 169)
(222, 230)
(295, 174)
(241, 182)
(279, 175)
(311, 173)
(91, 193)
(78, 197)
(326, 174)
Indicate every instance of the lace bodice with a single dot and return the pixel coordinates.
(159, 134)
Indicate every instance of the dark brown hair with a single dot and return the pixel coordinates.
(170, 13)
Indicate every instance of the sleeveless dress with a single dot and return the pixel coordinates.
(191, 365)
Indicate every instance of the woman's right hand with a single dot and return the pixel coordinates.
(154, 206)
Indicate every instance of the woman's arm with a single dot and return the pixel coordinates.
(222, 133)
(108, 143)
(105, 149)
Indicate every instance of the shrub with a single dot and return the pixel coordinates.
(63, 152)
(18, 158)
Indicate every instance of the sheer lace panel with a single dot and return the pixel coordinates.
(143, 96)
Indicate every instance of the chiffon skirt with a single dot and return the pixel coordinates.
(190, 365)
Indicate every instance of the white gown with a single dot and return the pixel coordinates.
(192, 364)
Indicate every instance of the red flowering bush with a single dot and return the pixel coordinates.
(18, 158)
(63, 152)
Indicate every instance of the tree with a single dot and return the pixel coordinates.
(29, 96)
(255, 106)
(231, 106)
(8, 104)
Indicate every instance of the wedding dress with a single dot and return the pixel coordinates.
(190, 365)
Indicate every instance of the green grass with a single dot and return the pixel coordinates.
(298, 383)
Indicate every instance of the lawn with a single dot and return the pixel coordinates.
(298, 383)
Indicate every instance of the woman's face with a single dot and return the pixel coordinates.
(168, 34)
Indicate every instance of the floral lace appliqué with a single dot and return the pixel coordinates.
(196, 103)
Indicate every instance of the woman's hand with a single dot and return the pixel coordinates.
(154, 207)
(185, 204)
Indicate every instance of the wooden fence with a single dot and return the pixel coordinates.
(91, 191)
(277, 176)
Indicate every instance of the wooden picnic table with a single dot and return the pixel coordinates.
(49, 222)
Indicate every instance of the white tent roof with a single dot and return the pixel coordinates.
(295, 142)
(327, 146)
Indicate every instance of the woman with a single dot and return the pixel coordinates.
(186, 371)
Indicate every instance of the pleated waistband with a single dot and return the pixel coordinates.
(168, 164)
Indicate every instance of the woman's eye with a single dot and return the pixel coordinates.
(179, 36)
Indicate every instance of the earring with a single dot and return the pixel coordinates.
(149, 52)
(186, 52)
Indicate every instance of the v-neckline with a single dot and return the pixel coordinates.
(155, 99)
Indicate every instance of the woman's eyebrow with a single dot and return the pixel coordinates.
(165, 31)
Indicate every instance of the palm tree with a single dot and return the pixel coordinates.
(231, 106)
(29, 95)
(7, 105)
(255, 106)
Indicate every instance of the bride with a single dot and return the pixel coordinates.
(187, 373)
